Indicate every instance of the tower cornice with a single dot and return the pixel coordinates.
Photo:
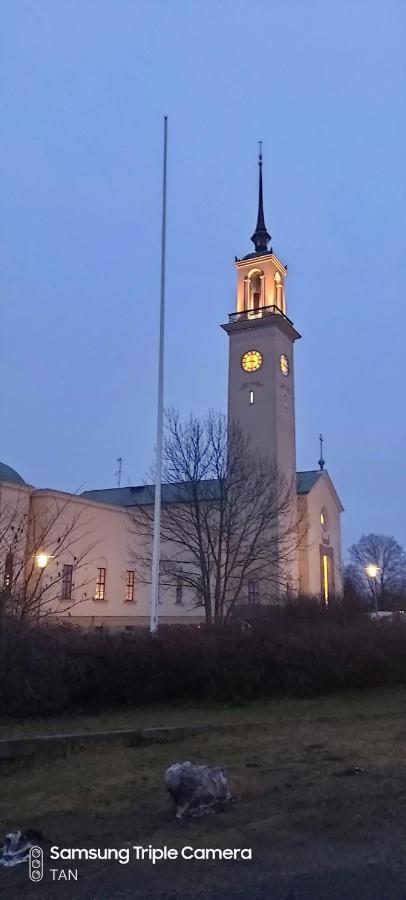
(243, 322)
(253, 258)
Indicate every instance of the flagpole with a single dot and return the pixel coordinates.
(156, 546)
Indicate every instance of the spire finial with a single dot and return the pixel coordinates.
(260, 238)
(321, 460)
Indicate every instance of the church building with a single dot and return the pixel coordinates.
(103, 591)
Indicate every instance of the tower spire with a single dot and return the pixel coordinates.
(260, 238)
(321, 460)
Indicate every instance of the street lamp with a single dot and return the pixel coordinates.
(372, 571)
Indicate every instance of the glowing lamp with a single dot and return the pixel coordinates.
(372, 570)
(42, 560)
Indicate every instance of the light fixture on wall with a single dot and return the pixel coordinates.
(42, 560)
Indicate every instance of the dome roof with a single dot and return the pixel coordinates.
(9, 474)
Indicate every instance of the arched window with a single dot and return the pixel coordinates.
(279, 293)
(254, 291)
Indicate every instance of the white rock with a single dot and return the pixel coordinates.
(197, 789)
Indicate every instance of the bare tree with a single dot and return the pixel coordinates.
(389, 559)
(43, 557)
(228, 518)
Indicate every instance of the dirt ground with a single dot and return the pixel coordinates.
(318, 785)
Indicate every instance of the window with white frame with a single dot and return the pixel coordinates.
(129, 586)
(100, 593)
(253, 592)
(67, 576)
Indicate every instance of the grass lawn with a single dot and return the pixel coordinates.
(296, 805)
(374, 703)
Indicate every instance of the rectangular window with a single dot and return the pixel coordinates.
(253, 592)
(67, 575)
(326, 573)
(251, 397)
(100, 585)
(179, 591)
(129, 586)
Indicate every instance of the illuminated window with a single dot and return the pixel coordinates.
(253, 592)
(8, 571)
(325, 579)
(324, 519)
(179, 591)
(100, 585)
(129, 585)
(67, 575)
(251, 397)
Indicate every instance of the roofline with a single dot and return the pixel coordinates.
(16, 485)
(79, 498)
(240, 263)
(322, 473)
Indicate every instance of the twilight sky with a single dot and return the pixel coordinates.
(83, 88)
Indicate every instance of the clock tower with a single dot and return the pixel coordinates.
(260, 380)
(262, 337)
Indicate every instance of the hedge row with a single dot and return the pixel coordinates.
(45, 670)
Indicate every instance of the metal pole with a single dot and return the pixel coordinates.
(156, 546)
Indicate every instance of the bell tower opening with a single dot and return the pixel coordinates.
(254, 291)
(279, 293)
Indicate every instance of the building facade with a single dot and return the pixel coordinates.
(75, 553)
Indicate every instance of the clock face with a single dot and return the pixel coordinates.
(284, 364)
(251, 361)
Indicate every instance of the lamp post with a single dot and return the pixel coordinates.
(372, 571)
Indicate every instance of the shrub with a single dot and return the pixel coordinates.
(50, 669)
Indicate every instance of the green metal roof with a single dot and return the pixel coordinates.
(306, 480)
(144, 494)
(10, 475)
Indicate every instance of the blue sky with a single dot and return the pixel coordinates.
(83, 88)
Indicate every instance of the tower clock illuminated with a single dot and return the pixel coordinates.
(251, 361)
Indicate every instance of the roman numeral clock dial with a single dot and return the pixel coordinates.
(251, 361)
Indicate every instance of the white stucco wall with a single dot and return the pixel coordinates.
(105, 536)
(310, 505)
(14, 514)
